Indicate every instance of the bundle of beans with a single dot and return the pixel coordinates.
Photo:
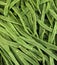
(28, 32)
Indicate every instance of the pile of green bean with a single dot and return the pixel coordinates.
(28, 32)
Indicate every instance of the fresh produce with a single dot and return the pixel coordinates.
(28, 32)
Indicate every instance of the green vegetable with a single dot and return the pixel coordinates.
(28, 32)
